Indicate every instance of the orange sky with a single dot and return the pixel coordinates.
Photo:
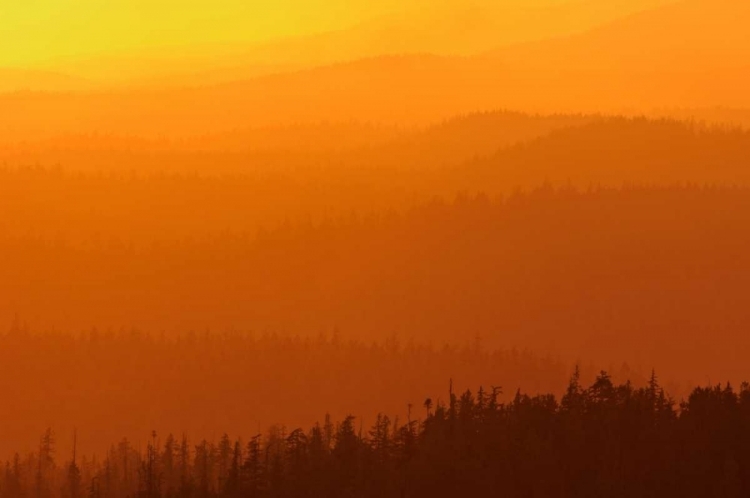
(48, 29)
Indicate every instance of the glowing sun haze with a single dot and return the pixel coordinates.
(43, 32)
(39, 30)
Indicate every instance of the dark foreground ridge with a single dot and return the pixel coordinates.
(604, 440)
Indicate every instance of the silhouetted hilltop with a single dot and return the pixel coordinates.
(125, 383)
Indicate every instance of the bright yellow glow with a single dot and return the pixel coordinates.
(34, 31)
(40, 32)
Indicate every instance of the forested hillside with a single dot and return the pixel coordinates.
(612, 260)
(139, 193)
(605, 276)
(553, 270)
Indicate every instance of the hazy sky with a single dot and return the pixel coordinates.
(42, 31)
(39, 30)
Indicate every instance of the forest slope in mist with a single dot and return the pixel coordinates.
(301, 149)
(611, 274)
(618, 246)
(138, 194)
(122, 340)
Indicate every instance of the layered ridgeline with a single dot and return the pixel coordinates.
(651, 276)
(137, 192)
(607, 240)
(215, 254)
(307, 150)
(601, 440)
(631, 63)
(237, 43)
(360, 238)
(299, 148)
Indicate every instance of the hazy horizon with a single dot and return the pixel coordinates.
(196, 44)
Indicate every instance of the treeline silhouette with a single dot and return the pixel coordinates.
(125, 382)
(606, 439)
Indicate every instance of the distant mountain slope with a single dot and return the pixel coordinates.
(657, 276)
(300, 150)
(14, 80)
(614, 152)
(408, 89)
(121, 194)
(442, 27)
(690, 55)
